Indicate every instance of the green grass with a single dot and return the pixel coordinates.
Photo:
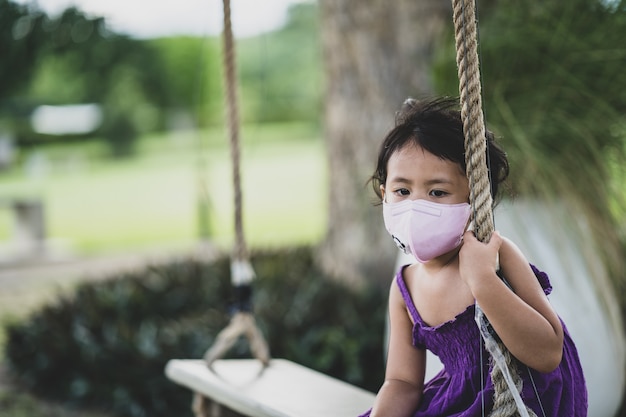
(99, 205)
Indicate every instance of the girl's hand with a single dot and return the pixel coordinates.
(478, 260)
(523, 318)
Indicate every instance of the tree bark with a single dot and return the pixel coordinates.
(376, 54)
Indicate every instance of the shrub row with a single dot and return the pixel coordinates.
(106, 346)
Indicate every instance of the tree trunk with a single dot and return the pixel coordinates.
(376, 54)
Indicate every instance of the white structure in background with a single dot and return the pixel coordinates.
(557, 244)
(72, 119)
(29, 242)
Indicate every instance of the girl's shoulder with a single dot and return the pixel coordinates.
(512, 260)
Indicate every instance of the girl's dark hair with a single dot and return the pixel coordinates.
(436, 126)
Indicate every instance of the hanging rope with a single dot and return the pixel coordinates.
(242, 274)
(504, 375)
(242, 323)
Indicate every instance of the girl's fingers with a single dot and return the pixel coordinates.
(495, 241)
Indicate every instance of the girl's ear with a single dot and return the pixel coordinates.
(382, 191)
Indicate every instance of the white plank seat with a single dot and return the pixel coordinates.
(283, 389)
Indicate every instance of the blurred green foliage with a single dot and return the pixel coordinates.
(15, 403)
(21, 42)
(107, 345)
(155, 84)
(192, 72)
(552, 73)
(69, 59)
(281, 72)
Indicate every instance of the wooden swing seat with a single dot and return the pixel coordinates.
(283, 389)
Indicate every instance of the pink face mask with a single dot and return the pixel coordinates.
(425, 229)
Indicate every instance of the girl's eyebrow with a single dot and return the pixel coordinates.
(435, 181)
(428, 183)
(400, 180)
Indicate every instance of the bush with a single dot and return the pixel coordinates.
(121, 134)
(107, 346)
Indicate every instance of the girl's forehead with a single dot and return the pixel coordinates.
(414, 158)
(409, 150)
(412, 152)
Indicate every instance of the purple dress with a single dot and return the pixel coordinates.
(457, 390)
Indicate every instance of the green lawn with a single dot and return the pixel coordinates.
(96, 205)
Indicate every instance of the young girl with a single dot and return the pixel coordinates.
(420, 179)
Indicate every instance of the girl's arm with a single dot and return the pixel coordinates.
(404, 375)
(523, 318)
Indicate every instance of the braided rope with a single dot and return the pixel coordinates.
(230, 74)
(466, 42)
(242, 323)
(504, 404)
(472, 115)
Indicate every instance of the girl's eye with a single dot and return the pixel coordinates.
(438, 193)
(402, 192)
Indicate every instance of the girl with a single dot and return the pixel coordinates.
(420, 179)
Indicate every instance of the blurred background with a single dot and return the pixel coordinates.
(116, 189)
(107, 128)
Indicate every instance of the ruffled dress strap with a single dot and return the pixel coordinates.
(543, 279)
